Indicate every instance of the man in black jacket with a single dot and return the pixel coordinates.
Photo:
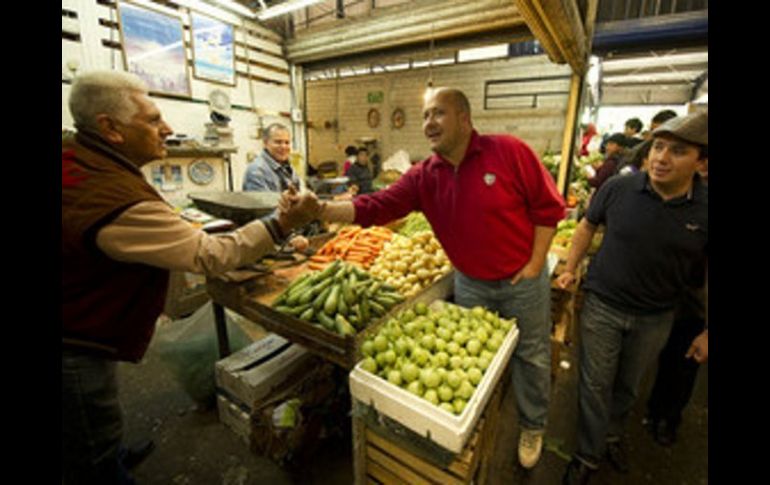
(359, 173)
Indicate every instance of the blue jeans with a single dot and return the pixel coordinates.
(529, 301)
(92, 422)
(616, 349)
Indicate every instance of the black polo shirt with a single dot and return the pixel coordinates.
(651, 247)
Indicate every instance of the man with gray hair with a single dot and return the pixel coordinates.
(270, 171)
(120, 239)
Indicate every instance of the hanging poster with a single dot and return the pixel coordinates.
(213, 50)
(153, 49)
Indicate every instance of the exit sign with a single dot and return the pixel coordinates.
(374, 97)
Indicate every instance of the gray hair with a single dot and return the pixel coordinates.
(104, 92)
(271, 128)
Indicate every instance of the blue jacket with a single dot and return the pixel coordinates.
(265, 174)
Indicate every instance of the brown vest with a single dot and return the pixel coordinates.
(108, 306)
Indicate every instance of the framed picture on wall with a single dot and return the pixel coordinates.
(213, 50)
(153, 49)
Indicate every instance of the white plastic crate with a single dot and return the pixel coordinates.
(449, 431)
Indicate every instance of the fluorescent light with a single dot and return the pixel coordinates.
(236, 7)
(435, 62)
(397, 67)
(285, 7)
(479, 53)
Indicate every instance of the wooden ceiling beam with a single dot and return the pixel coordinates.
(558, 26)
(402, 25)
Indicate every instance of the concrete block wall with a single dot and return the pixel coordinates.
(345, 100)
(255, 103)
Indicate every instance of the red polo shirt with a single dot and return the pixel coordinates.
(484, 213)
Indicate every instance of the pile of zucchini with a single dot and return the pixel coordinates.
(342, 298)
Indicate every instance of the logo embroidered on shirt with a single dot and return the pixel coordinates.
(692, 227)
(489, 178)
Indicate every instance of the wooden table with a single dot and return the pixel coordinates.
(252, 299)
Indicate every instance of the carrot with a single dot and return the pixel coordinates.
(358, 256)
(316, 266)
(359, 250)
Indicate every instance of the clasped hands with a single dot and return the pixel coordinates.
(298, 208)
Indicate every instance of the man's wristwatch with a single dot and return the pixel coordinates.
(272, 226)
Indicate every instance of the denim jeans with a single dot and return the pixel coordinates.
(529, 301)
(616, 349)
(676, 374)
(92, 422)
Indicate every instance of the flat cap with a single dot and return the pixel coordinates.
(693, 128)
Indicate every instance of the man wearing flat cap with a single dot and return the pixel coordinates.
(655, 241)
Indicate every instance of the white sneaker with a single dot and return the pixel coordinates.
(530, 447)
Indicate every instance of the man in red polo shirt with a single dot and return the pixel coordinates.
(494, 208)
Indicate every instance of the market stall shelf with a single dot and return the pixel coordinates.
(252, 299)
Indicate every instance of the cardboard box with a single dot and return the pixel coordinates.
(246, 377)
(235, 418)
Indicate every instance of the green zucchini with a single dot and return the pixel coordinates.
(342, 326)
(330, 306)
(319, 301)
(326, 321)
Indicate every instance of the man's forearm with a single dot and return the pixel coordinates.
(581, 240)
(541, 245)
(342, 211)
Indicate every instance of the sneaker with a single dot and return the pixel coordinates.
(530, 447)
(617, 456)
(577, 473)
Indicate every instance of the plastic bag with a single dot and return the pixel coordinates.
(189, 348)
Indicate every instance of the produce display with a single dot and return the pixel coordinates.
(552, 162)
(342, 298)
(353, 244)
(579, 190)
(564, 231)
(413, 223)
(410, 264)
(440, 355)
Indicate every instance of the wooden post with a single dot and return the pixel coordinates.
(221, 325)
(359, 445)
(568, 140)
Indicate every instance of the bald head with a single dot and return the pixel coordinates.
(447, 123)
(456, 97)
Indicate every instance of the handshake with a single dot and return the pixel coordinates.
(297, 209)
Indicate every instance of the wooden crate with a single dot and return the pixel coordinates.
(379, 459)
(252, 299)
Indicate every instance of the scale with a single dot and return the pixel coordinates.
(218, 133)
